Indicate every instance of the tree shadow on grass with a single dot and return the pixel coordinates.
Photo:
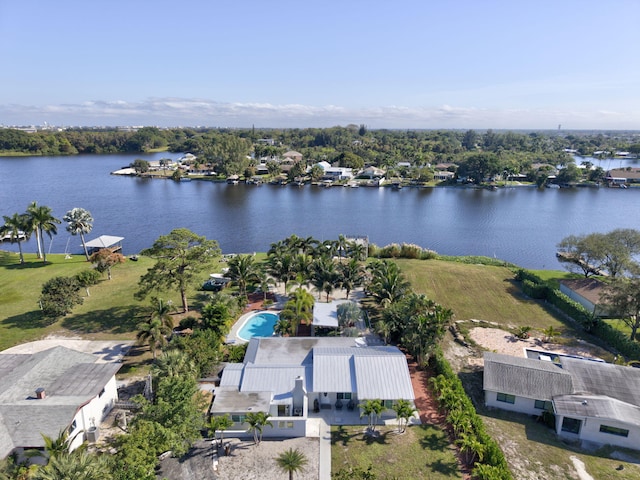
(113, 320)
(377, 436)
(28, 321)
(342, 436)
(448, 469)
(436, 441)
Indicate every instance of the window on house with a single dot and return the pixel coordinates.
(287, 425)
(571, 425)
(72, 427)
(540, 404)
(621, 432)
(238, 418)
(344, 396)
(101, 393)
(388, 404)
(283, 410)
(506, 398)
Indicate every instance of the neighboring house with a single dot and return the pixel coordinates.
(294, 378)
(47, 392)
(623, 175)
(592, 401)
(443, 175)
(334, 173)
(292, 155)
(587, 292)
(372, 173)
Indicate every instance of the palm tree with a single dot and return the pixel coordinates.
(157, 325)
(220, 423)
(42, 221)
(78, 464)
(282, 327)
(242, 271)
(298, 309)
(292, 461)
(257, 421)
(404, 411)
(373, 409)
(351, 275)
(324, 276)
(471, 446)
(17, 227)
(174, 363)
(80, 222)
(387, 284)
(57, 446)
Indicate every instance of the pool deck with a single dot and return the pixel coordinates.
(233, 338)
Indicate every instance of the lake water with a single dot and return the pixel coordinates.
(520, 225)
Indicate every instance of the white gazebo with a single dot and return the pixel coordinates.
(105, 241)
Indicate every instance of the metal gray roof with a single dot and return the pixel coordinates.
(597, 406)
(333, 371)
(383, 377)
(232, 375)
(525, 377)
(615, 381)
(279, 379)
(290, 350)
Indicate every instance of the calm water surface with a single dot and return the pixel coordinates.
(520, 225)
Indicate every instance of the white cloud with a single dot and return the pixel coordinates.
(185, 112)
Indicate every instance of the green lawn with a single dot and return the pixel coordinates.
(423, 451)
(477, 292)
(109, 313)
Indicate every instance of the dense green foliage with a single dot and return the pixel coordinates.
(480, 156)
(59, 296)
(479, 448)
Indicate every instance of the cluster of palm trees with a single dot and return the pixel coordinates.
(39, 220)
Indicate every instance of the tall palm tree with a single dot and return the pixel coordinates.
(325, 276)
(79, 222)
(242, 271)
(42, 221)
(292, 461)
(17, 227)
(220, 423)
(77, 464)
(157, 325)
(404, 411)
(373, 409)
(257, 421)
(387, 284)
(298, 309)
(351, 275)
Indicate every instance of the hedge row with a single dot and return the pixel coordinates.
(535, 287)
(482, 450)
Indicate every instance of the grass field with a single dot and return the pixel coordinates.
(110, 312)
(477, 292)
(423, 451)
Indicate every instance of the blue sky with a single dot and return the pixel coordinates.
(525, 64)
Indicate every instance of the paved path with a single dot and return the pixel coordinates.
(325, 451)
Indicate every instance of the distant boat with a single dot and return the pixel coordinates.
(185, 179)
(8, 237)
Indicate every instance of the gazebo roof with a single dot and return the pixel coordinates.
(104, 241)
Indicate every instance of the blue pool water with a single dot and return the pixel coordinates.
(259, 325)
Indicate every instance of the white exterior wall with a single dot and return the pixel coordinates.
(97, 410)
(280, 428)
(522, 404)
(590, 431)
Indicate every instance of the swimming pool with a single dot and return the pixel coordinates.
(258, 325)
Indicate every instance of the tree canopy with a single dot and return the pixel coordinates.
(181, 256)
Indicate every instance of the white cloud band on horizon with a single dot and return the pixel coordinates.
(170, 111)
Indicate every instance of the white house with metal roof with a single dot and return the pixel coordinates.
(50, 391)
(294, 379)
(592, 401)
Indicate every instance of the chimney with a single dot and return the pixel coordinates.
(298, 393)
(40, 394)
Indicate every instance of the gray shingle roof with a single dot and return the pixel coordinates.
(525, 377)
(597, 406)
(69, 378)
(615, 381)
